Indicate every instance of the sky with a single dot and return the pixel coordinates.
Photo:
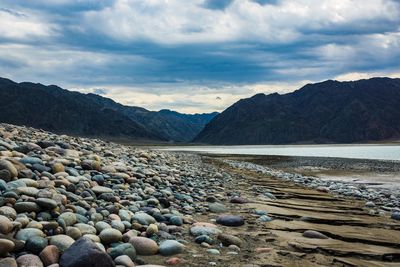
(196, 56)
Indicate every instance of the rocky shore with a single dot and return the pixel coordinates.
(71, 202)
(385, 199)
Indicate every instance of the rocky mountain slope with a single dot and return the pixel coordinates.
(326, 112)
(62, 111)
(169, 124)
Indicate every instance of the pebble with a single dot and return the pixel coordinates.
(124, 260)
(217, 207)
(110, 235)
(8, 262)
(29, 260)
(6, 165)
(264, 218)
(176, 220)
(213, 251)
(101, 189)
(144, 246)
(62, 242)
(230, 220)
(228, 240)
(123, 249)
(263, 250)
(171, 247)
(25, 234)
(396, 216)
(6, 246)
(50, 255)
(174, 261)
(36, 244)
(5, 225)
(84, 252)
(314, 234)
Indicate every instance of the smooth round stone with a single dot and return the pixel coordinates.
(238, 200)
(46, 203)
(204, 239)
(101, 190)
(68, 217)
(125, 215)
(396, 216)
(31, 160)
(213, 251)
(110, 235)
(170, 247)
(314, 234)
(58, 167)
(8, 212)
(143, 218)
(204, 230)
(124, 260)
(152, 229)
(29, 260)
(5, 225)
(260, 212)
(6, 246)
(73, 179)
(36, 244)
(3, 185)
(84, 252)
(85, 229)
(144, 246)
(100, 226)
(73, 232)
(176, 220)
(8, 262)
(25, 234)
(228, 240)
(123, 249)
(62, 242)
(264, 218)
(370, 204)
(118, 225)
(27, 206)
(217, 207)
(6, 165)
(5, 175)
(81, 219)
(50, 255)
(230, 220)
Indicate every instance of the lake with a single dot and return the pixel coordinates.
(370, 151)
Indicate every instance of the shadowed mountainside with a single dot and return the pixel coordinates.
(61, 111)
(326, 112)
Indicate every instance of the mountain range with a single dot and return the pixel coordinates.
(61, 111)
(326, 112)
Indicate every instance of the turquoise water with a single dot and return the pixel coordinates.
(380, 152)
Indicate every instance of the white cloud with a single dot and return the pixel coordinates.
(354, 76)
(178, 22)
(190, 99)
(22, 26)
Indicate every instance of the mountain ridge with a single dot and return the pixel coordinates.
(62, 111)
(316, 113)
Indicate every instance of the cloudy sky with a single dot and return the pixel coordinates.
(196, 55)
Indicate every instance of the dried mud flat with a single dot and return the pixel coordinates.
(355, 238)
